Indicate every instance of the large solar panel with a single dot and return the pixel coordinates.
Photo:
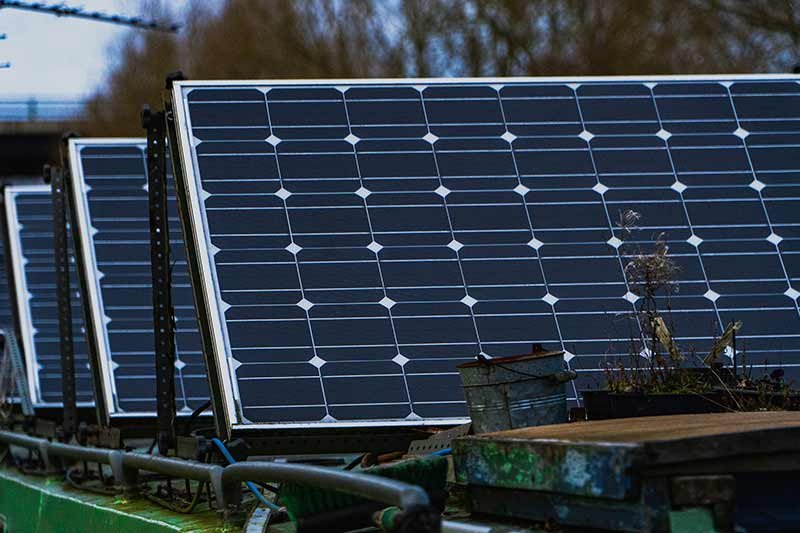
(29, 218)
(356, 240)
(109, 189)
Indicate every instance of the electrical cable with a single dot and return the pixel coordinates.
(266, 486)
(250, 485)
(355, 462)
(176, 508)
(197, 412)
(84, 485)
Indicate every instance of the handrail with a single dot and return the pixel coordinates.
(80, 453)
(20, 439)
(384, 490)
(226, 480)
(167, 465)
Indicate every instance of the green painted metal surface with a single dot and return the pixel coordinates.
(692, 520)
(564, 467)
(36, 504)
(32, 504)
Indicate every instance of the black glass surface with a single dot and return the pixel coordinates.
(34, 226)
(368, 238)
(116, 191)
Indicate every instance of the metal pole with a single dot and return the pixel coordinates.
(63, 296)
(163, 317)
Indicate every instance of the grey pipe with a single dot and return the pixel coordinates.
(79, 453)
(58, 449)
(20, 439)
(26, 441)
(169, 466)
(371, 487)
(225, 481)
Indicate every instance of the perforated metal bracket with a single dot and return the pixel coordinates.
(163, 313)
(63, 297)
(12, 352)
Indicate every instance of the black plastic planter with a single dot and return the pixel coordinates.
(602, 404)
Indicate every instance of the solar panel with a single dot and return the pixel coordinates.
(356, 240)
(7, 320)
(109, 189)
(29, 218)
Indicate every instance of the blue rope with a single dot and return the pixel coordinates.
(250, 485)
(446, 451)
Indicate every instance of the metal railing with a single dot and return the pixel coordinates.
(225, 481)
(40, 109)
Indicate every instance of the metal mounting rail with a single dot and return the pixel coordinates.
(64, 298)
(163, 312)
(226, 481)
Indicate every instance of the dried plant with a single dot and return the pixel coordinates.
(652, 275)
(627, 222)
(652, 272)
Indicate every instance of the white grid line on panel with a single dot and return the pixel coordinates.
(761, 194)
(297, 266)
(459, 205)
(500, 150)
(450, 224)
(680, 192)
(378, 260)
(608, 217)
(523, 196)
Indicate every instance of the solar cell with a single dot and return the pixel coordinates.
(29, 218)
(358, 239)
(109, 190)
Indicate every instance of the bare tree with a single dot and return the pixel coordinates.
(376, 38)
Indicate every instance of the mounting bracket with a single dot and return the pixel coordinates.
(63, 297)
(163, 312)
(11, 351)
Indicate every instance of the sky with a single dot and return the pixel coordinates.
(55, 56)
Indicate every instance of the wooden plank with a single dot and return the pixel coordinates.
(673, 439)
(657, 428)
